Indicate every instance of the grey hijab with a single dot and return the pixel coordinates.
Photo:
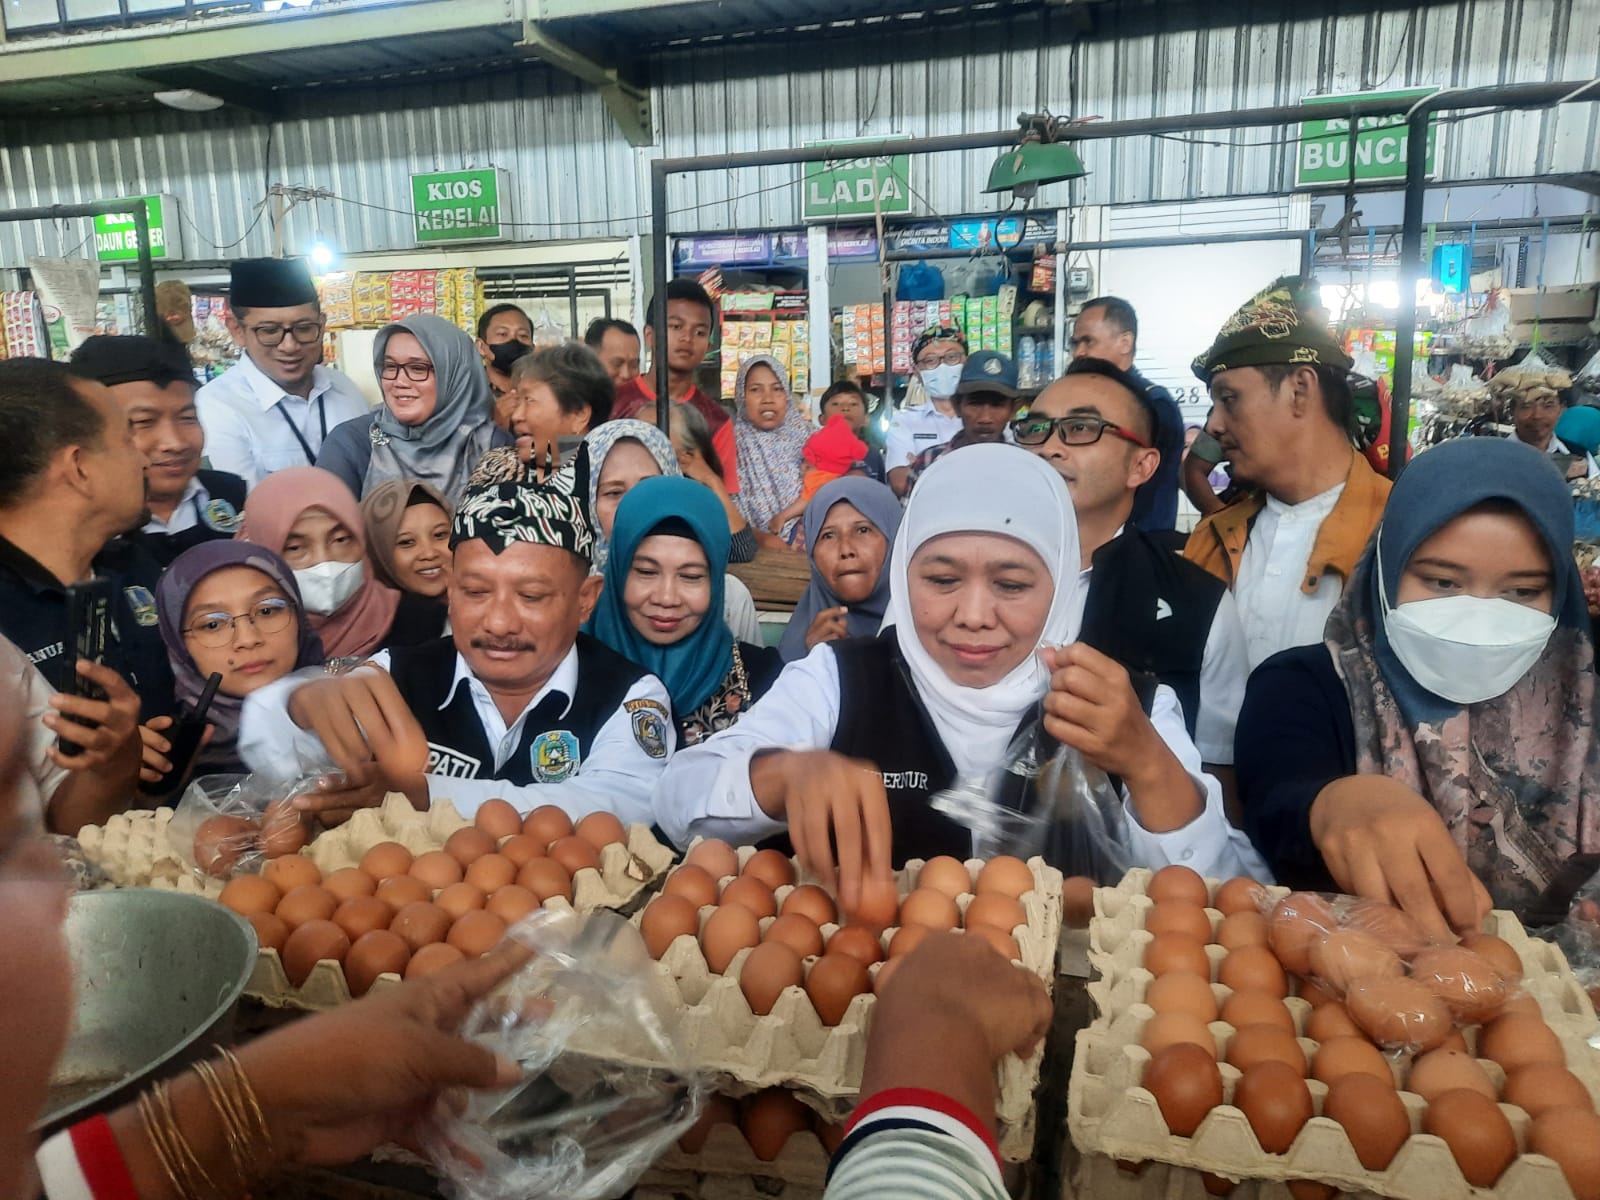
(442, 450)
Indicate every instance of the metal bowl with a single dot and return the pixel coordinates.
(157, 976)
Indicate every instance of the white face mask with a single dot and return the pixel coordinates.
(325, 587)
(941, 381)
(1465, 648)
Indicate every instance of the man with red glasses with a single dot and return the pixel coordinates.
(1146, 607)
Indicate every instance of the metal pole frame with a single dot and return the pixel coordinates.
(105, 208)
(1521, 95)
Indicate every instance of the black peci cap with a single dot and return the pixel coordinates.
(112, 360)
(271, 283)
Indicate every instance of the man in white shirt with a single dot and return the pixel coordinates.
(1533, 422)
(939, 355)
(275, 405)
(1279, 382)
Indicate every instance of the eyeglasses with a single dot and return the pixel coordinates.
(215, 630)
(306, 333)
(950, 358)
(1074, 431)
(417, 372)
(1546, 404)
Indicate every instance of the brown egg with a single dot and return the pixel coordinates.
(1395, 929)
(1186, 1084)
(1217, 1185)
(291, 871)
(498, 819)
(907, 938)
(766, 972)
(1253, 969)
(1253, 1008)
(547, 824)
(718, 1110)
(830, 1135)
(220, 842)
(546, 878)
(1241, 894)
(809, 900)
(386, 860)
(664, 920)
(1262, 1043)
(1180, 884)
(438, 868)
(601, 829)
(1242, 929)
(521, 850)
(308, 903)
(1006, 875)
(752, 893)
(1373, 1115)
(1310, 1189)
(575, 854)
(945, 874)
(1440, 1071)
(1169, 1028)
(859, 942)
(771, 868)
(727, 931)
(878, 905)
(461, 898)
(1329, 1021)
(1275, 1100)
(1002, 941)
(309, 944)
(283, 830)
(1346, 954)
(491, 872)
(435, 956)
(714, 856)
(271, 932)
(1398, 1013)
(1175, 916)
(1077, 901)
(1540, 1086)
(371, 955)
(884, 973)
(771, 1118)
(360, 915)
(1182, 992)
(931, 908)
(420, 923)
(1517, 1040)
(467, 846)
(991, 908)
(401, 890)
(1454, 1041)
(1499, 952)
(1471, 988)
(1295, 922)
(1570, 1136)
(1341, 1056)
(1313, 994)
(1174, 952)
(694, 884)
(511, 903)
(1477, 1133)
(250, 894)
(1522, 1002)
(799, 933)
(476, 933)
(832, 982)
(349, 882)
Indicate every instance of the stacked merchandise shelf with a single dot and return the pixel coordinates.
(370, 299)
(766, 323)
(22, 325)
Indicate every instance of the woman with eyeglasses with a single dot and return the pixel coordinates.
(938, 355)
(232, 609)
(437, 418)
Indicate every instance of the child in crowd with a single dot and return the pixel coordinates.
(846, 398)
(832, 452)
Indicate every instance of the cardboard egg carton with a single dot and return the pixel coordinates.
(133, 850)
(1112, 1117)
(802, 1163)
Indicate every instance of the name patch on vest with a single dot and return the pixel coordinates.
(555, 756)
(905, 781)
(452, 764)
(649, 726)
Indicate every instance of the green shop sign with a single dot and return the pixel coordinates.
(1380, 143)
(459, 206)
(117, 240)
(856, 187)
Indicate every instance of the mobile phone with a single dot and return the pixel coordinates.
(88, 636)
(185, 736)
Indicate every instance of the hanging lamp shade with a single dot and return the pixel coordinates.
(1023, 168)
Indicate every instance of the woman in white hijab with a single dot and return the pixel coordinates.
(853, 740)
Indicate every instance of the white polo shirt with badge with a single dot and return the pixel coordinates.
(914, 430)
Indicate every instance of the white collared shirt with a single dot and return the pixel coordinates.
(1276, 614)
(243, 414)
(914, 430)
(186, 515)
(1555, 448)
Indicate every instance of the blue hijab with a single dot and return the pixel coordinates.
(881, 507)
(693, 667)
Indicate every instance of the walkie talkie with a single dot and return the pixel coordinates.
(88, 636)
(185, 736)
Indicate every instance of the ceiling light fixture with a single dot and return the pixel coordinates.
(1042, 155)
(190, 100)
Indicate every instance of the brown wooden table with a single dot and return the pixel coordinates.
(776, 578)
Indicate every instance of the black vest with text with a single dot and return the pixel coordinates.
(217, 519)
(556, 736)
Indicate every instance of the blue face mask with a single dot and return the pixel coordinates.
(941, 381)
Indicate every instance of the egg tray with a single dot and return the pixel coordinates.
(132, 849)
(1110, 1114)
(790, 1047)
(1101, 1178)
(802, 1163)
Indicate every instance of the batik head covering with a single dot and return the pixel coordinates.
(1283, 323)
(548, 513)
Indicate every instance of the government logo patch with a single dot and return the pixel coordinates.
(555, 756)
(649, 726)
(143, 603)
(220, 516)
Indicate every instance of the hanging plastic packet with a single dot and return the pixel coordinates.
(608, 1085)
(546, 332)
(229, 825)
(1045, 799)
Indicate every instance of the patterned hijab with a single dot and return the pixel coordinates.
(1516, 778)
(878, 505)
(601, 441)
(772, 463)
(383, 509)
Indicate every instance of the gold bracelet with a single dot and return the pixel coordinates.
(190, 1164)
(233, 1127)
(242, 1088)
(183, 1170)
(152, 1133)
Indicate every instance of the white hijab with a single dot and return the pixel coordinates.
(999, 489)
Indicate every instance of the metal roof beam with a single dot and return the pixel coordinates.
(629, 104)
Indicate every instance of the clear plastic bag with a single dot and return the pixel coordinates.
(228, 825)
(547, 332)
(1045, 799)
(608, 1082)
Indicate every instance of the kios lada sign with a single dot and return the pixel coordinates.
(459, 206)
